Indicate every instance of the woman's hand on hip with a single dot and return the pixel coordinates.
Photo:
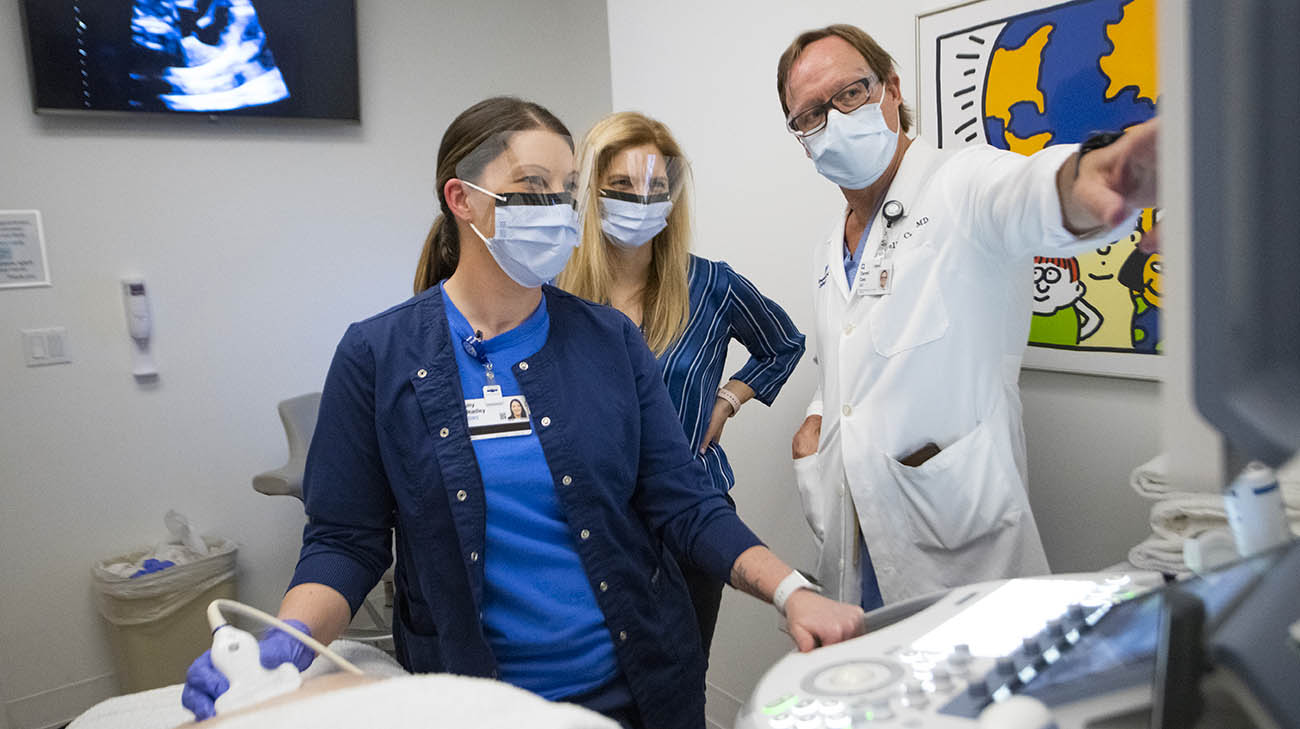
(807, 437)
(721, 412)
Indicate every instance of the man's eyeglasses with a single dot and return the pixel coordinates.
(847, 99)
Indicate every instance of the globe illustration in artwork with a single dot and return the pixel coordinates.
(1058, 75)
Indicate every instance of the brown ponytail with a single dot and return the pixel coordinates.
(488, 121)
(439, 256)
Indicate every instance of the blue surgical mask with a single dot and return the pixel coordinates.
(854, 149)
(631, 220)
(535, 235)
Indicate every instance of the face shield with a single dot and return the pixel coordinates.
(520, 187)
(636, 193)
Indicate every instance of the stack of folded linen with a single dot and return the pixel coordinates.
(1177, 516)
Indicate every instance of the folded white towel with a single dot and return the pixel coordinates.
(1179, 515)
(1151, 479)
(1187, 516)
(1159, 554)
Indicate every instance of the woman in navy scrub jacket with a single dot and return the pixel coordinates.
(540, 553)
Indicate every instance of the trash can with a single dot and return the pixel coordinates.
(157, 620)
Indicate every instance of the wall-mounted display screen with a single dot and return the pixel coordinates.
(278, 58)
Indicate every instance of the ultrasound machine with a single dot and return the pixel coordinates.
(1221, 650)
(1105, 650)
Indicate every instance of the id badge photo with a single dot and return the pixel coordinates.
(496, 415)
(878, 281)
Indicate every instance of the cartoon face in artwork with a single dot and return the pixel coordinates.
(1151, 280)
(1141, 273)
(1056, 284)
(1108, 259)
(1111, 298)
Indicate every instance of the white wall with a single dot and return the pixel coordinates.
(708, 71)
(260, 241)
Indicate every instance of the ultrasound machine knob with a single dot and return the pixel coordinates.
(1055, 629)
(831, 707)
(781, 721)
(978, 690)
(960, 658)
(1006, 666)
(1076, 613)
(1017, 712)
(805, 709)
(942, 678)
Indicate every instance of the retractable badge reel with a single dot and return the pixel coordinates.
(879, 275)
(496, 414)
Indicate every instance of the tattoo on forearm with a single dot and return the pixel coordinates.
(742, 580)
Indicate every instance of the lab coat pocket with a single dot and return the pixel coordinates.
(813, 494)
(966, 491)
(914, 312)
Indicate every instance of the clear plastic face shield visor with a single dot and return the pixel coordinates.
(635, 193)
(519, 187)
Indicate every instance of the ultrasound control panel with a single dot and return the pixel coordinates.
(942, 666)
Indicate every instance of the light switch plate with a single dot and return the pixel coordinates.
(45, 346)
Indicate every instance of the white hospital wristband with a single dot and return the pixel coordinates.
(787, 587)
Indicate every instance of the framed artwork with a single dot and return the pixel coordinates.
(1023, 74)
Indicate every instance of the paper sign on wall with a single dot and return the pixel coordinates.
(22, 250)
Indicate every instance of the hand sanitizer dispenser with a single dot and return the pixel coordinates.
(139, 323)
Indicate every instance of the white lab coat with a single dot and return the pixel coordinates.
(936, 360)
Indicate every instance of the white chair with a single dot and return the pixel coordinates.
(299, 417)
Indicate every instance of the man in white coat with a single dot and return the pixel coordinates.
(911, 462)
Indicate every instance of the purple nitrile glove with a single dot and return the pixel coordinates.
(204, 683)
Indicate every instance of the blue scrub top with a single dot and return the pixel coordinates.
(539, 611)
(391, 459)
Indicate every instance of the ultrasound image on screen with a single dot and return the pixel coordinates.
(196, 58)
(295, 58)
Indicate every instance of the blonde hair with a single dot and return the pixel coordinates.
(665, 303)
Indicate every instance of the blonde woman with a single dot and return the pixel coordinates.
(635, 256)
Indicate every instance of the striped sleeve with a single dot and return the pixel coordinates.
(774, 343)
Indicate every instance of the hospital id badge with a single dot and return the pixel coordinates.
(497, 416)
(879, 280)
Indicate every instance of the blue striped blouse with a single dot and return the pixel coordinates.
(726, 306)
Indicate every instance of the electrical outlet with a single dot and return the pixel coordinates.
(45, 346)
